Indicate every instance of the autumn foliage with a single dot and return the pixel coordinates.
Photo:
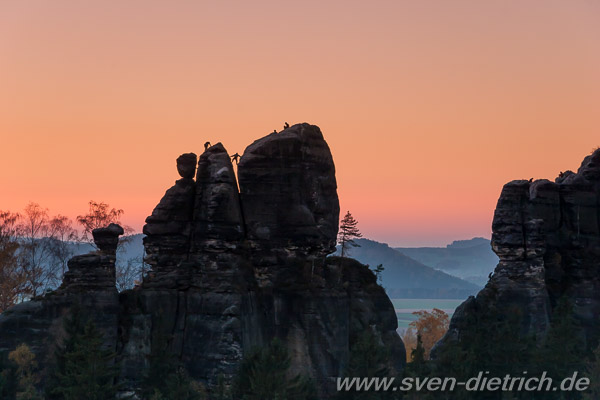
(430, 325)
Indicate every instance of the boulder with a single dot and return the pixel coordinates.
(186, 165)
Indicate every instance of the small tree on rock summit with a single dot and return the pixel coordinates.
(348, 232)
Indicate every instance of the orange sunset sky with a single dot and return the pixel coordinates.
(429, 107)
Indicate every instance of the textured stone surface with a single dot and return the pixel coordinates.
(289, 197)
(288, 189)
(547, 237)
(231, 270)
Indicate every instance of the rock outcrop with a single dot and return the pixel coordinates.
(547, 236)
(89, 284)
(290, 205)
(232, 269)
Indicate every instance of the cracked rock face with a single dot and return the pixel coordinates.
(232, 269)
(289, 197)
(547, 237)
(283, 202)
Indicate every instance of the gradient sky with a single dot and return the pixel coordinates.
(429, 107)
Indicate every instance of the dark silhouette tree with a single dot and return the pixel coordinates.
(494, 343)
(348, 232)
(162, 363)
(379, 272)
(181, 387)
(165, 378)
(264, 374)
(34, 231)
(563, 349)
(418, 365)
(73, 327)
(12, 279)
(45, 247)
(100, 215)
(369, 358)
(83, 369)
(62, 236)
(417, 355)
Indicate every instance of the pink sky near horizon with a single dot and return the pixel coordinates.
(429, 107)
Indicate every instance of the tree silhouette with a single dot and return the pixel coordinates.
(84, 368)
(165, 378)
(368, 358)
(418, 365)
(430, 326)
(34, 231)
(12, 278)
(62, 235)
(348, 232)
(265, 374)
(100, 215)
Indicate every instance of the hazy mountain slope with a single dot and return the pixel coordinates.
(471, 260)
(407, 278)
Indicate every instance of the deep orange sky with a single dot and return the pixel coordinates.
(429, 107)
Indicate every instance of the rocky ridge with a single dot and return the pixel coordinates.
(547, 236)
(230, 269)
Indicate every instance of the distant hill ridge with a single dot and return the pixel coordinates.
(405, 277)
(471, 260)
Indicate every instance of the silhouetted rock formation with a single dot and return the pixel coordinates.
(89, 283)
(289, 197)
(186, 165)
(547, 237)
(232, 269)
(107, 239)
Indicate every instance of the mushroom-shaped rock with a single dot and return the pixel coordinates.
(186, 165)
(107, 238)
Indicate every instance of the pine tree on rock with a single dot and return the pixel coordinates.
(73, 327)
(264, 374)
(369, 358)
(348, 232)
(161, 365)
(562, 351)
(164, 378)
(85, 370)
